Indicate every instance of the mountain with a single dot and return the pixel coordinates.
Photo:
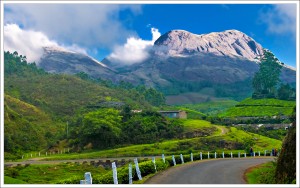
(203, 67)
(60, 60)
(230, 43)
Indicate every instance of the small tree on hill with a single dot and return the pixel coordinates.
(267, 78)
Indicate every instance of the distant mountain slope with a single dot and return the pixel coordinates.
(180, 62)
(60, 60)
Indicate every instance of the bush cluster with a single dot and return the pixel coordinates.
(146, 168)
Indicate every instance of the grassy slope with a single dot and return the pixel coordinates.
(211, 107)
(184, 146)
(260, 107)
(43, 174)
(261, 174)
(10, 180)
(22, 118)
(64, 95)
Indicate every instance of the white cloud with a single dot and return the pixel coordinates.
(280, 19)
(134, 50)
(87, 25)
(30, 43)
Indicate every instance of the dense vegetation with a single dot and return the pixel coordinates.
(270, 132)
(282, 171)
(260, 108)
(266, 80)
(109, 127)
(209, 138)
(210, 108)
(262, 174)
(237, 91)
(286, 163)
(50, 173)
(39, 105)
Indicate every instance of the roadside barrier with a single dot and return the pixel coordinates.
(88, 178)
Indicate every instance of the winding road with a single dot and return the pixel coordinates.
(213, 171)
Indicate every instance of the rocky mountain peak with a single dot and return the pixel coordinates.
(232, 43)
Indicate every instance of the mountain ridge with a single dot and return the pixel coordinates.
(181, 62)
(232, 43)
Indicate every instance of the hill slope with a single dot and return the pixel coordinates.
(38, 104)
(260, 108)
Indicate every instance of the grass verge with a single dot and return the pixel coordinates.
(261, 174)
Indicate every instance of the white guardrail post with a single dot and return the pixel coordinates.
(138, 172)
(174, 161)
(115, 173)
(181, 157)
(130, 173)
(153, 161)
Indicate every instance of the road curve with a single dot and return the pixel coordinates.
(213, 171)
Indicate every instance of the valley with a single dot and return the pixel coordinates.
(102, 110)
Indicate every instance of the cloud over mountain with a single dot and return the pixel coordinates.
(135, 50)
(31, 43)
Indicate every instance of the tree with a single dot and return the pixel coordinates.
(285, 92)
(267, 78)
(101, 128)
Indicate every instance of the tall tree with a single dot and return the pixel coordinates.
(101, 128)
(267, 78)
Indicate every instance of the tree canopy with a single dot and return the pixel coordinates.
(265, 81)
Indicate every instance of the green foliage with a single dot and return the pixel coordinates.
(267, 78)
(263, 174)
(230, 140)
(286, 164)
(101, 127)
(27, 128)
(278, 134)
(260, 108)
(210, 107)
(9, 180)
(286, 92)
(237, 90)
(266, 102)
(146, 168)
(51, 173)
(149, 127)
(38, 104)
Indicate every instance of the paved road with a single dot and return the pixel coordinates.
(213, 171)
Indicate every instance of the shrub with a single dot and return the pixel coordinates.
(146, 168)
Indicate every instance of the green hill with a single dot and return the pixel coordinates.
(260, 108)
(27, 127)
(211, 107)
(223, 139)
(39, 104)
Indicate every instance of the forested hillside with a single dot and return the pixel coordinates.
(38, 105)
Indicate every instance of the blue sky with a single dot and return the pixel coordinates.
(99, 30)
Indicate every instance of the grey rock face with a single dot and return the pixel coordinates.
(231, 43)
